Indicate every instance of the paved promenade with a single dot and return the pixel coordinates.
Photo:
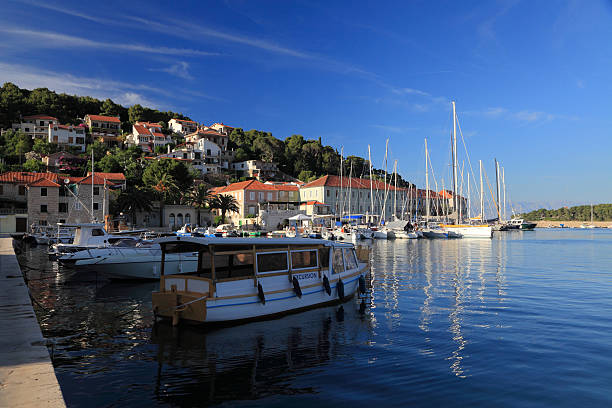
(27, 378)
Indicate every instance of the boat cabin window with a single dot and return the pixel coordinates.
(237, 265)
(272, 262)
(349, 258)
(324, 257)
(182, 247)
(304, 259)
(97, 232)
(338, 264)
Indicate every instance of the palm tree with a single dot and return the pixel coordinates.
(134, 199)
(224, 203)
(198, 197)
(165, 188)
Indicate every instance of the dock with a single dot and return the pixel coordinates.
(27, 378)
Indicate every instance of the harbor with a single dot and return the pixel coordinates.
(456, 322)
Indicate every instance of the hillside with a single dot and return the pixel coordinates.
(601, 212)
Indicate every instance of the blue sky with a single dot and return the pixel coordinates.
(532, 80)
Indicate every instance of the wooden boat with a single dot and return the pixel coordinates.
(251, 278)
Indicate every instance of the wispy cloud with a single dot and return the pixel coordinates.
(48, 39)
(121, 92)
(179, 69)
(525, 116)
(67, 11)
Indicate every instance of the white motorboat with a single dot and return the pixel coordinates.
(384, 233)
(401, 234)
(249, 278)
(469, 231)
(142, 261)
(92, 235)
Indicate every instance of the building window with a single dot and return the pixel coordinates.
(179, 220)
(42, 222)
(43, 208)
(251, 195)
(22, 190)
(261, 196)
(96, 190)
(96, 206)
(63, 207)
(187, 218)
(43, 192)
(62, 191)
(269, 196)
(1, 189)
(328, 193)
(171, 221)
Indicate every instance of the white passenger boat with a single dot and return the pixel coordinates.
(383, 233)
(142, 261)
(249, 278)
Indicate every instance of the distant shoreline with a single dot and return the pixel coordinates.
(572, 224)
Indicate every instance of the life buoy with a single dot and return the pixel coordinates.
(340, 289)
(326, 285)
(260, 293)
(296, 287)
(362, 284)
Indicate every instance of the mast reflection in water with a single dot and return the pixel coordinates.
(520, 319)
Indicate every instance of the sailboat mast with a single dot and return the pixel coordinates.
(341, 196)
(395, 191)
(469, 201)
(482, 217)
(455, 198)
(497, 191)
(426, 185)
(350, 191)
(93, 217)
(504, 184)
(371, 189)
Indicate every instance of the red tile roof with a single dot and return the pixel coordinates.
(104, 118)
(141, 130)
(334, 181)
(256, 185)
(43, 182)
(40, 116)
(97, 180)
(313, 202)
(221, 124)
(109, 176)
(26, 177)
(184, 120)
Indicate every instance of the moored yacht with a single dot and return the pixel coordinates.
(249, 278)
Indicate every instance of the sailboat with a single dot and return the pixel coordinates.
(463, 229)
(591, 225)
(429, 231)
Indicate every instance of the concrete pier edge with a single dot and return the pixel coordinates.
(27, 378)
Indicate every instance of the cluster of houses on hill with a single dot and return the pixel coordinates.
(266, 200)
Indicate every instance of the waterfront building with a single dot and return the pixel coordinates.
(256, 169)
(67, 135)
(252, 195)
(36, 126)
(182, 126)
(13, 198)
(104, 128)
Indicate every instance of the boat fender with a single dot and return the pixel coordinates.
(260, 293)
(362, 284)
(340, 289)
(296, 287)
(326, 285)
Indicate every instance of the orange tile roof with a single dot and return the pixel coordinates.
(141, 130)
(184, 120)
(97, 180)
(334, 181)
(40, 116)
(313, 202)
(104, 118)
(256, 185)
(109, 176)
(43, 182)
(26, 177)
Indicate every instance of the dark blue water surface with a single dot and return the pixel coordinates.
(524, 319)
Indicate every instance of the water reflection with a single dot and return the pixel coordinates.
(197, 367)
(451, 276)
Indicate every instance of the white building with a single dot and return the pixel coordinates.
(203, 155)
(36, 126)
(221, 128)
(182, 126)
(147, 136)
(256, 168)
(212, 135)
(64, 135)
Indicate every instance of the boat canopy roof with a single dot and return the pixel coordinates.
(218, 241)
(82, 225)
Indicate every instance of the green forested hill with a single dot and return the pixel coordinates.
(601, 212)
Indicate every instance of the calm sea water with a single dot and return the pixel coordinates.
(522, 320)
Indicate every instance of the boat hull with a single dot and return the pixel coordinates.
(470, 231)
